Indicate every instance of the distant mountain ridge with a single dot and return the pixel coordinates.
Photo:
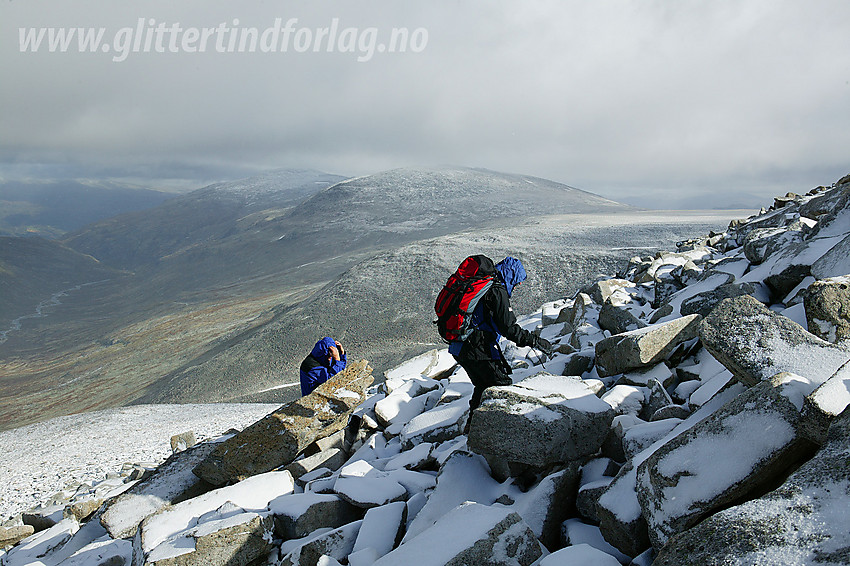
(52, 208)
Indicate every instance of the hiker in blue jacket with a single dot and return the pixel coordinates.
(493, 318)
(325, 361)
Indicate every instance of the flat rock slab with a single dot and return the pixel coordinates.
(278, 438)
(755, 343)
(802, 522)
(540, 421)
(299, 514)
(643, 347)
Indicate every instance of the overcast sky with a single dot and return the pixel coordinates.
(683, 102)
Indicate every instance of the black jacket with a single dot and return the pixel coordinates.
(496, 315)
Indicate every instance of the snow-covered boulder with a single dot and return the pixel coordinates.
(297, 515)
(643, 347)
(579, 555)
(234, 539)
(827, 305)
(835, 262)
(215, 523)
(308, 551)
(802, 522)
(755, 343)
(278, 438)
(825, 403)
(463, 477)
(380, 532)
(470, 534)
(617, 320)
(741, 448)
(439, 424)
(541, 421)
(172, 481)
(545, 507)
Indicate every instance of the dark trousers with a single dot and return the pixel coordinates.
(484, 374)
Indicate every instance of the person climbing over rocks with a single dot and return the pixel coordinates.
(474, 339)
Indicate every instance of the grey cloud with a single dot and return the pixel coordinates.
(672, 99)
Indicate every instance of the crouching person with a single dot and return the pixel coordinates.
(325, 361)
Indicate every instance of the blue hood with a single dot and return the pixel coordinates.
(512, 272)
(321, 350)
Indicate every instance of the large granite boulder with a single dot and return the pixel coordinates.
(827, 306)
(802, 522)
(470, 534)
(541, 421)
(746, 445)
(278, 438)
(755, 343)
(643, 347)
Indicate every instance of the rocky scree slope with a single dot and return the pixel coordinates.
(695, 413)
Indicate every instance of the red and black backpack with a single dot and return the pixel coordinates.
(460, 296)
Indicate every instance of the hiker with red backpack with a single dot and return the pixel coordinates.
(474, 311)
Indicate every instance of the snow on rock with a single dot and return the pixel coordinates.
(441, 423)
(643, 347)
(802, 522)
(299, 514)
(470, 534)
(430, 365)
(464, 477)
(380, 532)
(755, 343)
(540, 421)
(579, 555)
(827, 309)
(744, 446)
(176, 523)
(336, 543)
(170, 482)
(546, 505)
(825, 403)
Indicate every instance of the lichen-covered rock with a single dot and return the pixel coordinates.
(802, 522)
(755, 343)
(827, 306)
(540, 421)
(278, 438)
(746, 445)
(643, 347)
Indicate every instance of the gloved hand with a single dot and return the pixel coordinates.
(544, 346)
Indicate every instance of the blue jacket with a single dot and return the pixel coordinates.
(316, 368)
(493, 316)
